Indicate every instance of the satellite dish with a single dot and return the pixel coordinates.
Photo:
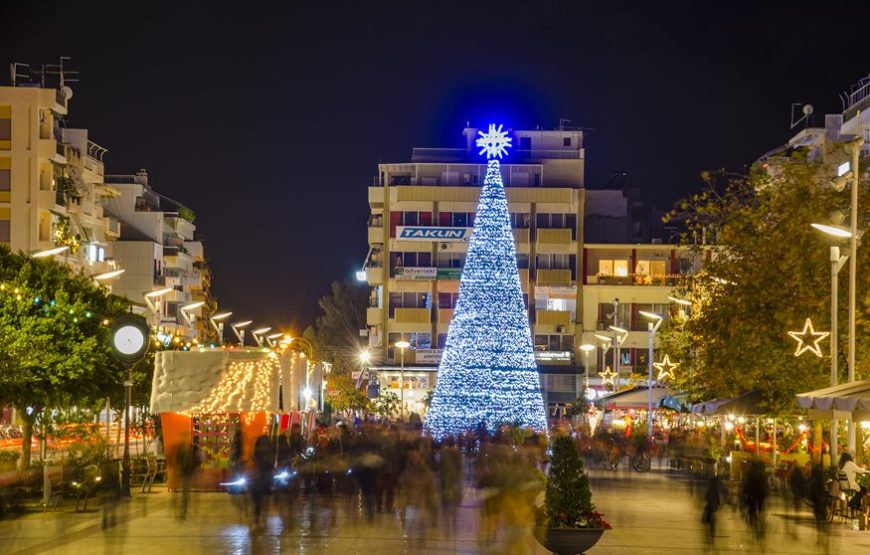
(68, 93)
(808, 109)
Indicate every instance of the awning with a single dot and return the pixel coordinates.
(839, 401)
(635, 398)
(678, 402)
(746, 403)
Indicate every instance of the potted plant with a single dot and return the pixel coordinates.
(567, 523)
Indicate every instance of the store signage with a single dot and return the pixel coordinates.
(433, 233)
(428, 356)
(416, 273)
(449, 273)
(553, 356)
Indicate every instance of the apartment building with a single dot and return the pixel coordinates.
(52, 190)
(161, 255)
(422, 213)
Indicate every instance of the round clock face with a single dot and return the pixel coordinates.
(128, 340)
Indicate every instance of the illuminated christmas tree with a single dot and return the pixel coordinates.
(488, 374)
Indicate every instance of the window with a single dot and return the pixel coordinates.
(519, 220)
(605, 315)
(522, 260)
(408, 300)
(460, 219)
(560, 383)
(213, 434)
(648, 272)
(553, 221)
(566, 141)
(442, 340)
(447, 300)
(640, 322)
(5, 179)
(415, 218)
(5, 127)
(556, 261)
(5, 231)
(613, 268)
(450, 259)
(554, 342)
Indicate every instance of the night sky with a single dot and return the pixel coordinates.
(269, 120)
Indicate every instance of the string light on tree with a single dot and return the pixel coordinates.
(666, 368)
(608, 376)
(808, 339)
(488, 375)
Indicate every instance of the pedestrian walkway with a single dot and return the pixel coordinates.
(651, 513)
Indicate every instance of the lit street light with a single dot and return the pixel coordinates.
(586, 348)
(218, 325)
(652, 327)
(109, 275)
(189, 318)
(270, 339)
(50, 252)
(152, 302)
(402, 345)
(258, 333)
(239, 329)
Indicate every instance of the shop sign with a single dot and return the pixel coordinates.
(428, 356)
(449, 273)
(416, 273)
(553, 356)
(433, 233)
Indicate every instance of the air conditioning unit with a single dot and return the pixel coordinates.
(443, 246)
(560, 329)
(601, 326)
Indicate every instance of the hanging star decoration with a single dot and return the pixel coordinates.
(808, 339)
(493, 143)
(607, 376)
(666, 368)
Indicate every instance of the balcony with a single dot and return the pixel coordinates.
(670, 280)
(412, 316)
(524, 278)
(374, 316)
(553, 318)
(374, 275)
(521, 235)
(554, 277)
(376, 235)
(376, 196)
(549, 238)
(445, 315)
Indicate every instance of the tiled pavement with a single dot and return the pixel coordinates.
(650, 513)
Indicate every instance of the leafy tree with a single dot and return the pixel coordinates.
(347, 397)
(54, 348)
(386, 405)
(765, 272)
(335, 334)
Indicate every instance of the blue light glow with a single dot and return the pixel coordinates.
(488, 375)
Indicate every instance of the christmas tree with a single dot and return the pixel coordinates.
(488, 374)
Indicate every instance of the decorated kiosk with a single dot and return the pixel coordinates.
(205, 397)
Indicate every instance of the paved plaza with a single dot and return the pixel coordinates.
(650, 513)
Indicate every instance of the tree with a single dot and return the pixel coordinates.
(335, 334)
(54, 347)
(488, 374)
(386, 405)
(567, 498)
(345, 396)
(767, 273)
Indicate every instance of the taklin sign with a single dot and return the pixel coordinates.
(431, 233)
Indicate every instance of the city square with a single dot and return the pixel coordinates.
(347, 278)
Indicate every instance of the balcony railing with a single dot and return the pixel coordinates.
(669, 280)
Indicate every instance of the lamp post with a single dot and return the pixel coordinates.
(402, 345)
(270, 339)
(239, 329)
(218, 325)
(655, 321)
(619, 337)
(365, 358)
(258, 333)
(151, 300)
(109, 275)
(586, 348)
(189, 318)
(837, 263)
(50, 252)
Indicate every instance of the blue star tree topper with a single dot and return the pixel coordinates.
(488, 375)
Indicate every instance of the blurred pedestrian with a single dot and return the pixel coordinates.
(417, 496)
(186, 461)
(450, 470)
(754, 495)
(262, 470)
(797, 485)
(712, 502)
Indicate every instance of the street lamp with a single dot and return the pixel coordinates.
(218, 325)
(270, 339)
(150, 300)
(365, 358)
(50, 252)
(837, 263)
(189, 318)
(619, 337)
(258, 333)
(109, 275)
(652, 327)
(586, 348)
(238, 329)
(402, 345)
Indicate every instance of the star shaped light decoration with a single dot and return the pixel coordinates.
(607, 376)
(808, 339)
(666, 368)
(493, 143)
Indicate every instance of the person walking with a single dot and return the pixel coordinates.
(754, 495)
(450, 470)
(260, 483)
(712, 502)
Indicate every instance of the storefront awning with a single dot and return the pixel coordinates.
(839, 401)
(745, 404)
(634, 398)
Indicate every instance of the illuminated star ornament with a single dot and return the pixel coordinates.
(494, 142)
(808, 339)
(607, 376)
(666, 368)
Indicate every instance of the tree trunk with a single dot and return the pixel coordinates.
(26, 437)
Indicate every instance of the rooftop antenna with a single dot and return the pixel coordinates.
(66, 75)
(807, 111)
(13, 72)
(562, 122)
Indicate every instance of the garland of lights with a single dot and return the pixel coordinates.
(808, 339)
(488, 375)
(244, 387)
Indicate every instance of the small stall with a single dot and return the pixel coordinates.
(205, 398)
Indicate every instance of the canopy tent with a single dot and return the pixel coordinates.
(745, 404)
(634, 398)
(678, 402)
(838, 401)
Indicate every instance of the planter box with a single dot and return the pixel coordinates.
(568, 541)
